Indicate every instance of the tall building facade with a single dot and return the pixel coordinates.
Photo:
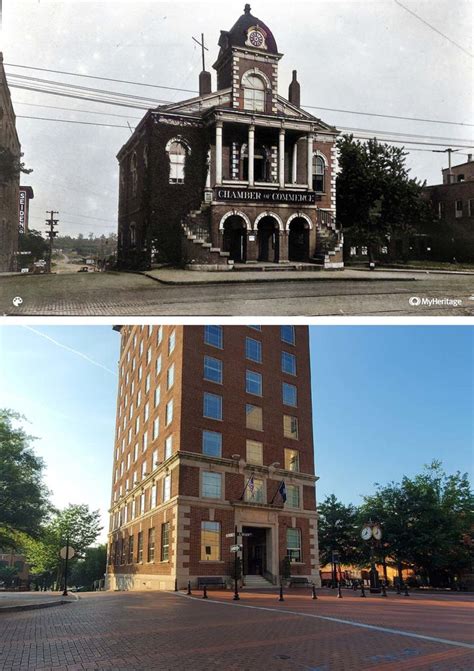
(236, 175)
(213, 433)
(9, 190)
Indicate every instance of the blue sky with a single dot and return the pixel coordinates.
(386, 401)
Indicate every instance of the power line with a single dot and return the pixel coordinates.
(327, 109)
(433, 28)
(75, 109)
(82, 123)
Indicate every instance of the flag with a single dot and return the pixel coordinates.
(251, 485)
(282, 490)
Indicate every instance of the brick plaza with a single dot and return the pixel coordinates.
(170, 632)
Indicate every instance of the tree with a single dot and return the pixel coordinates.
(427, 522)
(337, 531)
(7, 574)
(91, 568)
(23, 496)
(11, 166)
(34, 243)
(376, 199)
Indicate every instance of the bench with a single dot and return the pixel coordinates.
(211, 581)
(299, 582)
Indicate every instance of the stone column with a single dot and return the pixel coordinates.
(251, 152)
(283, 246)
(252, 246)
(281, 159)
(219, 125)
(208, 175)
(294, 165)
(310, 160)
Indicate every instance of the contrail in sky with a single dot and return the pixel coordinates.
(71, 349)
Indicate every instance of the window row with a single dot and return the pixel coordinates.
(211, 542)
(147, 500)
(147, 467)
(123, 550)
(255, 490)
(214, 336)
(212, 447)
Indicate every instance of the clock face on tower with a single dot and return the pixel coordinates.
(256, 38)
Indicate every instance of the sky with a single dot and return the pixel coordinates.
(370, 56)
(386, 401)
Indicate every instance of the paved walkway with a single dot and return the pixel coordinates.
(23, 600)
(174, 632)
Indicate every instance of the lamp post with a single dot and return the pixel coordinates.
(372, 532)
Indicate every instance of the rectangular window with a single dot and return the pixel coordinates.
(253, 350)
(153, 497)
(254, 452)
(212, 369)
(154, 458)
(151, 544)
(213, 336)
(212, 406)
(130, 550)
(293, 545)
(289, 394)
(293, 496)
(168, 447)
(171, 342)
(146, 412)
(211, 485)
(147, 383)
(210, 541)
(212, 443)
(353, 251)
(290, 427)
(156, 428)
(169, 412)
(167, 488)
(288, 334)
(140, 547)
(288, 363)
(292, 460)
(253, 383)
(470, 206)
(255, 328)
(158, 365)
(255, 492)
(157, 396)
(253, 417)
(170, 377)
(165, 541)
(458, 208)
(160, 335)
(144, 471)
(145, 441)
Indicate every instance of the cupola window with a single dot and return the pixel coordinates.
(254, 92)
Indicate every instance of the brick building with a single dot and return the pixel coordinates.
(9, 191)
(240, 174)
(211, 420)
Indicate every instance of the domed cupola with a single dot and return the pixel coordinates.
(250, 32)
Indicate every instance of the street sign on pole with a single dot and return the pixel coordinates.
(230, 535)
(235, 548)
(67, 549)
(246, 534)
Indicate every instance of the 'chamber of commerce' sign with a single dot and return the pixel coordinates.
(264, 196)
(22, 212)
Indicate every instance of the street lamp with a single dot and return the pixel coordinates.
(372, 532)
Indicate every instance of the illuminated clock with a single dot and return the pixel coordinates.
(256, 38)
(366, 532)
(377, 532)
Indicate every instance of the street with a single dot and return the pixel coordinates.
(174, 632)
(302, 294)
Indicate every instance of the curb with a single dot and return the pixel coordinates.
(33, 606)
(425, 271)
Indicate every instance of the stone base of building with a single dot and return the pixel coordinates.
(132, 582)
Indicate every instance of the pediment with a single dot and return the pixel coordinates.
(200, 103)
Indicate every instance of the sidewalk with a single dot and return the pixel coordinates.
(13, 601)
(178, 276)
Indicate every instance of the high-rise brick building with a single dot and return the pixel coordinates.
(211, 421)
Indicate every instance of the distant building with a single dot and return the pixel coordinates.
(25, 195)
(17, 562)
(9, 191)
(236, 175)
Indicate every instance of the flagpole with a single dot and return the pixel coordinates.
(246, 485)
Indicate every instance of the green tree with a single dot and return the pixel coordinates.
(7, 574)
(34, 243)
(11, 166)
(92, 567)
(23, 496)
(338, 531)
(427, 521)
(376, 199)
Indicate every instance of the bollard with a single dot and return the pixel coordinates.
(313, 592)
(176, 584)
(405, 593)
(398, 587)
(362, 590)
(384, 591)
(281, 594)
(189, 587)
(204, 592)
(339, 593)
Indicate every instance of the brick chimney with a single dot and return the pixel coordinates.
(205, 84)
(294, 91)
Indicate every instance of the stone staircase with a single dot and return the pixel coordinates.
(197, 249)
(257, 582)
(329, 242)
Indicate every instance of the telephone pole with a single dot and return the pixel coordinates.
(51, 222)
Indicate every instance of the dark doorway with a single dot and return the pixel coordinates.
(298, 240)
(268, 240)
(235, 238)
(255, 551)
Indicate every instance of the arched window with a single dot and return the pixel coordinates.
(134, 174)
(262, 164)
(254, 92)
(319, 169)
(177, 152)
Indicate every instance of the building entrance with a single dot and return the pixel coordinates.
(268, 237)
(235, 238)
(255, 551)
(298, 240)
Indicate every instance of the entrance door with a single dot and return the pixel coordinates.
(268, 240)
(298, 241)
(255, 551)
(235, 239)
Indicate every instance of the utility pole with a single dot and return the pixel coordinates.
(51, 222)
(203, 49)
(449, 151)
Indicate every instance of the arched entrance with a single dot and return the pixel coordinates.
(298, 240)
(235, 238)
(268, 238)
